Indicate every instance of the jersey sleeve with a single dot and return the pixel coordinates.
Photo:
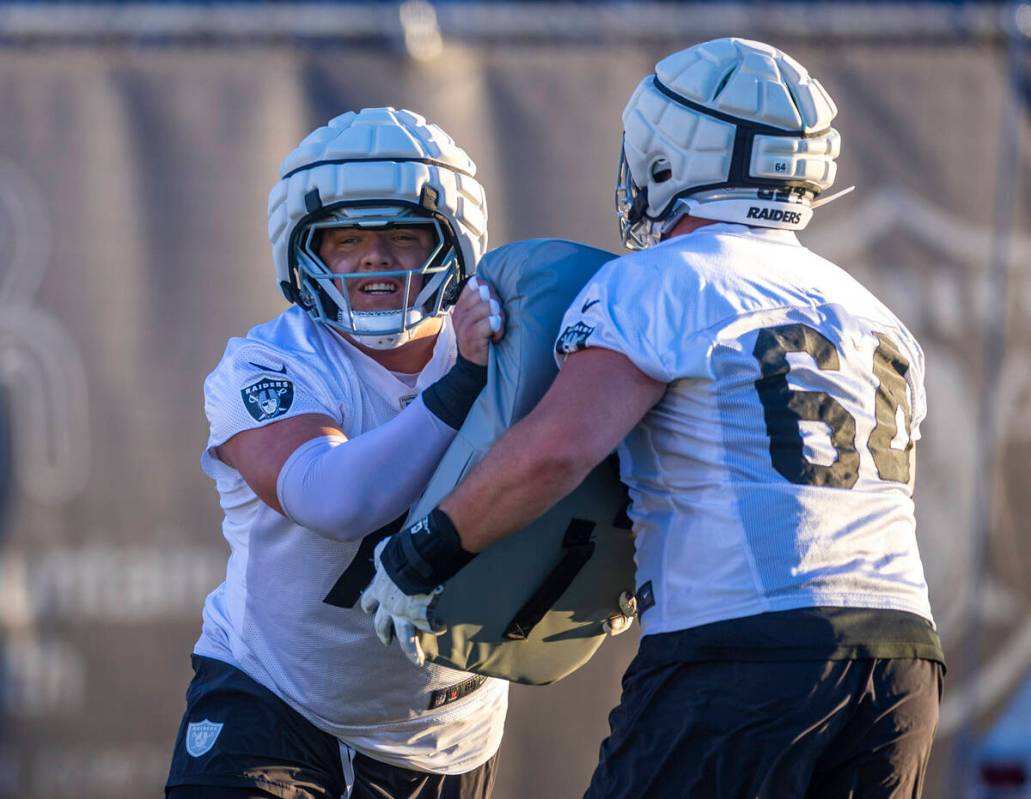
(918, 391)
(639, 311)
(255, 384)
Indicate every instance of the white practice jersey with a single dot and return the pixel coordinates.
(270, 618)
(777, 471)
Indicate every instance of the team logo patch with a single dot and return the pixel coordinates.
(201, 736)
(573, 338)
(268, 398)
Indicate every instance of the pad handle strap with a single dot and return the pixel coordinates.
(346, 591)
(577, 549)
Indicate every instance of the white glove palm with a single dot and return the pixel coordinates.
(396, 614)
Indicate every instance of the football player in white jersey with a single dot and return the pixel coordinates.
(765, 407)
(325, 424)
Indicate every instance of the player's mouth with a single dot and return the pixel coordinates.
(379, 288)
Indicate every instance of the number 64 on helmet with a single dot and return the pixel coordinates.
(730, 130)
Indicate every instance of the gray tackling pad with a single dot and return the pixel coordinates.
(530, 608)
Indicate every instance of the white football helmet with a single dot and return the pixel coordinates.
(731, 130)
(377, 168)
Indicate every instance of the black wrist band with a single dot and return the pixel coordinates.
(451, 397)
(421, 557)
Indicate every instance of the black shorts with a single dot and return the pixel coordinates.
(236, 734)
(770, 730)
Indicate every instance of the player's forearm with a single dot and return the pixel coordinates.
(516, 483)
(596, 399)
(347, 489)
(594, 402)
(530, 469)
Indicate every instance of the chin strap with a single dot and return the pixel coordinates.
(831, 197)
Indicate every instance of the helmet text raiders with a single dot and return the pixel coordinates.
(376, 169)
(730, 130)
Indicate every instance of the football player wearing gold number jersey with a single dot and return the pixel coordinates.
(765, 407)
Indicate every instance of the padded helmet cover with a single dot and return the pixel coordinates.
(722, 127)
(375, 166)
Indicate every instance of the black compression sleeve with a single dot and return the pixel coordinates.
(451, 397)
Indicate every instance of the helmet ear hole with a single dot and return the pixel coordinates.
(661, 170)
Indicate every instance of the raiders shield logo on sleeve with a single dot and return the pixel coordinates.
(573, 338)
(268, 398)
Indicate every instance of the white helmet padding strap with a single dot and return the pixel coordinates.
(737, 127)
(764, 158)
(763, 154)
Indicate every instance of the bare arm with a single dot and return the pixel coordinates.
(595, 401)
(259, 454)
(597, 398)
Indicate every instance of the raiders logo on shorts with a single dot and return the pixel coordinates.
(201, 736)
(268, 398)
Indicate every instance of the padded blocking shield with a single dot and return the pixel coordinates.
(530, 608)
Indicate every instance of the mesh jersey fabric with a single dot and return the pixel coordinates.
(720, 532)
(269, 619)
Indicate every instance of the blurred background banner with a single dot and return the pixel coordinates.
(138, 144)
